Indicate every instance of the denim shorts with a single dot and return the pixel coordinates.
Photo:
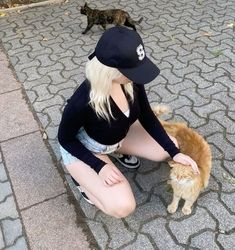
(90, 144)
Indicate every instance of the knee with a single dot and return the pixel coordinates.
(121, 209)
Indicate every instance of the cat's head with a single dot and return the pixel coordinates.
(84, 9)
(180, 173)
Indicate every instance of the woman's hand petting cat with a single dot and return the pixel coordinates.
(110, 175)
(186, 160)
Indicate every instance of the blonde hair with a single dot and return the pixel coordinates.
(100, 77)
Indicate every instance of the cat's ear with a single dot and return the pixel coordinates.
(172, 163)
(85, 4)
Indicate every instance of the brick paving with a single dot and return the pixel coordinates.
(192, 42)
(11, 233)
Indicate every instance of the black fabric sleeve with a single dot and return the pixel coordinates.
(71, 122)
(152, 125)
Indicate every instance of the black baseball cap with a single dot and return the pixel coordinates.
(123, 48)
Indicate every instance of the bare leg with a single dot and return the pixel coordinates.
(174, 204)
(116, 200)
(138, 142)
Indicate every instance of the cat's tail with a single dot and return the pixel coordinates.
(133, 21)
(160, 110)
(206, 167)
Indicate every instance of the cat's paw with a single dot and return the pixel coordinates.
(171, 208)
(186, 210)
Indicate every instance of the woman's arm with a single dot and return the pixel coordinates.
(152, 125)
(72, 120)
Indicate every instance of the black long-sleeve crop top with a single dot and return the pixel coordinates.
(78, 113)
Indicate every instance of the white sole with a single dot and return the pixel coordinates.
(81, 191)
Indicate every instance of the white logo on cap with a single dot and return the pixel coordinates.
(140, 52)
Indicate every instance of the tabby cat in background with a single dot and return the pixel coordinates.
(110, 16)
(185, 183)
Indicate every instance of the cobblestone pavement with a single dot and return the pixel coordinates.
(11, 233)
(192, 42)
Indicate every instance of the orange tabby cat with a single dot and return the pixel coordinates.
(185, 183)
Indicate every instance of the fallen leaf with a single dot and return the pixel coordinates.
(66, 13)
(222, 231)
(169, 188)
(217, 53)
(44, 136)
(199, 2)
(229, 179)
(231, 24)
(2, 14)
(205, 33)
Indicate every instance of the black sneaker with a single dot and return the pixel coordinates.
(80, 190)
(128, 161)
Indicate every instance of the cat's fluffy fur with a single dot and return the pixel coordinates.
(109, 16)
(185, 183)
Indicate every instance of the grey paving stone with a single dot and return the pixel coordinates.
(207, 129)
(2, 244)
(226, 122)
(5, 190)
(34, 177)
(44, 119)
(212, 185)
(194, 82)
(161, 237)
(225, 96)
(54, 113)
(99, 233)
(7, 80)
(12, 106)
(205, 240)
(120, 235)
(219, 173)
(227, 241)
(147, 166)
(226, 220)
(32, 96)
(89, 210)
(142, 242)
(229, 199)
(191, 117)
(19, 245)
(52, 225)
(140, 197)
(42, 92)
(228, 165)
(8, 208)
(220, 142)
(55, 100)
(149, 180)
(12, 229)
(52, 132)
(151, 209)
(189, 226)
(209, 109)
(3, 175)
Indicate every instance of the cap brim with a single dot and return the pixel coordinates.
(144, 73)
(91, 56)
